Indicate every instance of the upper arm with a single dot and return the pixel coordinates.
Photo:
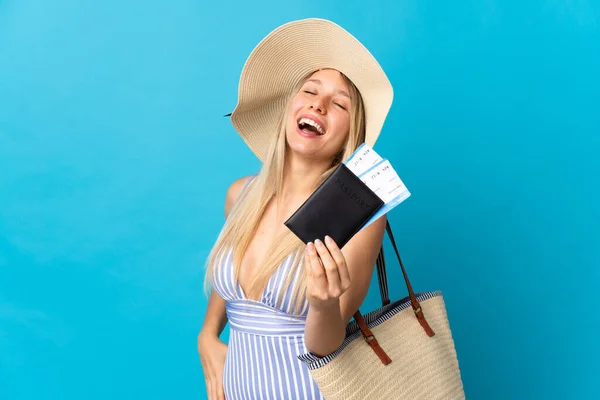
(216, 318)
(233, 193)
(361, 255)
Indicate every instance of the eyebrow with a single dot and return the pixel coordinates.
(340, 91)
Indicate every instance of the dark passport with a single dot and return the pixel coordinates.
(339, 207)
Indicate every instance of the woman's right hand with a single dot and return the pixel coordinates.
(212, 356)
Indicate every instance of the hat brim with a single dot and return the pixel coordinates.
(288, 54)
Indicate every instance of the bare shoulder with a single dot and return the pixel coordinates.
(233, 193)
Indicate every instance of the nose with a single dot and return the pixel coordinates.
(318, 105)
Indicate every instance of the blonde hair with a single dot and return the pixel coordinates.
(251, 204)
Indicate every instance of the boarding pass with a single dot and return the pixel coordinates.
(384, 181)
(379, 175)
(363, 158)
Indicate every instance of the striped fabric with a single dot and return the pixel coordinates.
(265, 340)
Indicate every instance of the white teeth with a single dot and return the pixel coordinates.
(312, 123)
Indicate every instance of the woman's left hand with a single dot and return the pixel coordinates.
(327, 273)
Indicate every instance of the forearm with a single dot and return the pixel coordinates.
(325, 329)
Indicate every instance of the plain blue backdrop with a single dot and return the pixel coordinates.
(115, 158)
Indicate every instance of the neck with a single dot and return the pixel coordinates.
(300, 176)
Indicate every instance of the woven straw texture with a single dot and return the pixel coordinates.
(422, 367)
(288, 54)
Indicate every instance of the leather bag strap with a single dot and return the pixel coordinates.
(413, 298)
(385, 300)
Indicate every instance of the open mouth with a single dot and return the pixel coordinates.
(310, 126)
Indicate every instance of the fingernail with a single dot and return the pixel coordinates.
(328, 240)
(309, 246)
(318, 242)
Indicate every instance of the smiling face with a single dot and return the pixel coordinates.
(318, 118)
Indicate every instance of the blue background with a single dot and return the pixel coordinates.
(115, 159)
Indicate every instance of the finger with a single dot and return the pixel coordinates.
(207, 380)
(331, 269)
(220, 389)
(340, 260)
(307, 264)
(318, 273)
(209, 389)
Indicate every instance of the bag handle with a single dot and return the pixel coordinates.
(382, 278)
(413, 298)
(383, 290)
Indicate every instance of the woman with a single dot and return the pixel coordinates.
(309, 95)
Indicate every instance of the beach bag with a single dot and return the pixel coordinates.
(403, 350)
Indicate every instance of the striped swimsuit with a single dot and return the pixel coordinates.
(265, 340)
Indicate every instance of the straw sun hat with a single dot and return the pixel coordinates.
(288, 54)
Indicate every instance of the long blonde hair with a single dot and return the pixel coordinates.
(251, 204)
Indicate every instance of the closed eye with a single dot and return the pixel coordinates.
(340, 106)
(309, 92)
